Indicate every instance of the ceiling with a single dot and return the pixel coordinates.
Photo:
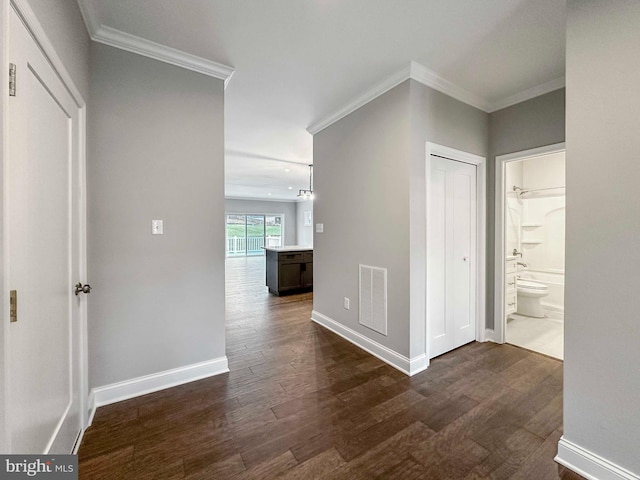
(297, 62)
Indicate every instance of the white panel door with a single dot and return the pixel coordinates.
(43, 236)
(451, 255)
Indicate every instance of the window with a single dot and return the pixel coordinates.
(247, 234)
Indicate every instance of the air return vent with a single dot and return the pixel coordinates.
(373, 298)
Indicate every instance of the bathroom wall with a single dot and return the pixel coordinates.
(543, 226)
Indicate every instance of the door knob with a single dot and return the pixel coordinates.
(83, 288)
(464, 259)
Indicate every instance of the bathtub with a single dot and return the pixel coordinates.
(554, 302)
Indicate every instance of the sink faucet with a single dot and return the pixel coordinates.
(523, 265)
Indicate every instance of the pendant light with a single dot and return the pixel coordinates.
(307, 194)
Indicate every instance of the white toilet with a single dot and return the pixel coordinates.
(529, 295)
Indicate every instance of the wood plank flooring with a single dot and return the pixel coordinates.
(302, 403)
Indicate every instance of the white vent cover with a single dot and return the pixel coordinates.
(373, 298)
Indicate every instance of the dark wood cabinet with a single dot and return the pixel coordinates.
(289, 271)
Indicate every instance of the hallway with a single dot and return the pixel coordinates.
(301, 402)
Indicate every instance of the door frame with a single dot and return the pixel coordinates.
(499, 320)
(481, 228)
(24, 11)
(265, 215)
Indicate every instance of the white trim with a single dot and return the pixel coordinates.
(490, 335)
(428, 77)
(82, 225)
(89, 15)
(91, 411)
(453, 154)
(588, 464)
(418, 363)
(499, 318)
(412, 70)
(76, 446)
(29, 18)
(395, 359)
(116, 392)
(361, 100)
(547, 87)
(481, 228)
(147, 48)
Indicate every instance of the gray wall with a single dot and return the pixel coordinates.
(155, 152)
(437, 118)
(601, 381)
(304, 234)
(370, 194)
(63, 24)
(531, 124)
(234, 205)
(361, 188)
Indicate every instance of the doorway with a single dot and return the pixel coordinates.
(530, 223)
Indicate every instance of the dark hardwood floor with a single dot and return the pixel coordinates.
(302, 403)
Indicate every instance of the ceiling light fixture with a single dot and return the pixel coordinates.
(307, 194)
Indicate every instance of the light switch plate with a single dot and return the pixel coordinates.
(319, 227)
(157, 227)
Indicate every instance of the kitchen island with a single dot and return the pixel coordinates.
(289, 269)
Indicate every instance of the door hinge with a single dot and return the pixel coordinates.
(13, 301)
(12, 79)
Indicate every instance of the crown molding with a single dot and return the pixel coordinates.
(374, 92)
(428, 77)
(147, 48)
(413, 70)
(525, 95)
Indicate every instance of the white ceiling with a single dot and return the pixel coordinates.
(298, 61)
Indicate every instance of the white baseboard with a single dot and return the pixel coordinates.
(588, 464)
(490, 336)
(395, 359)
(418, 363)
(117, 392)
(91, 404)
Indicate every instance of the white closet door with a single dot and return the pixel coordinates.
(451, 255)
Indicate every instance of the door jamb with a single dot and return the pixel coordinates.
(499, 320)
(481, 228)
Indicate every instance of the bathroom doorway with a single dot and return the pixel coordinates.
(530, 245)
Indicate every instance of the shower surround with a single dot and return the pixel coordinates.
(535, 223)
